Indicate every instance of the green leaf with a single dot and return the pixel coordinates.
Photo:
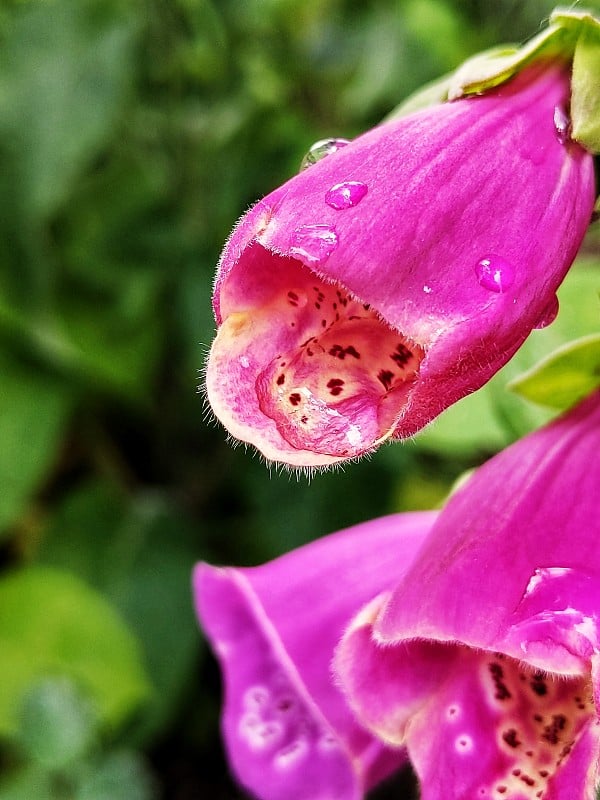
(57, 724)
(64, 71)
(33, 414)
(119, 776)
(140, 555)
(565, 377)
(52, 623)
(31, 783)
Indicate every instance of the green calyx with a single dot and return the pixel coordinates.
(571, 35)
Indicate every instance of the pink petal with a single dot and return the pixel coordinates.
(484, 659)
(288, 730)
(472, 214)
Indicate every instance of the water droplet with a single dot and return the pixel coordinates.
(562, 124)
(495, 273)
(245, 361)
(427, 289)
(549, 314)
(321, 149)
(346, 194)
(313, 243)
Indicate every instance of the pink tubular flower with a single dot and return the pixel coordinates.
(288, 731)
(484, 661)
(398, 274)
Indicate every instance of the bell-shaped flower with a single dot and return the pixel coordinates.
(399, 273)
(288, 730)
(485, 660)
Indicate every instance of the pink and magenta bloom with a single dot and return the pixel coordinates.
(398, 274)
(288, 730)
(484, 661)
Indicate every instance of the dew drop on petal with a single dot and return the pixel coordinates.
(322, 149)
(495, 273)
(346, 194)
(562, 125)
(313, 244)
(549, 314)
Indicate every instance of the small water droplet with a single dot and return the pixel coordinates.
(562, 124)
(346, 194)
(321, 149)
(495, 273)
(313, 243)
(427, 289)
(245, 361)
(549, 314)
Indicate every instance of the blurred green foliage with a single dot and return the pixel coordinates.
(132, 134)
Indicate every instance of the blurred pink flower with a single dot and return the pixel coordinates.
(288, 731)
(484, 661)
(399, 273)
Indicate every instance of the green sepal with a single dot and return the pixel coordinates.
(585, 87)
(493, 67)
(570, 36)
(565, 377)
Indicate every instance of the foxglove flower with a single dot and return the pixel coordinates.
(399, 273)
(288, 731)
(484, 661)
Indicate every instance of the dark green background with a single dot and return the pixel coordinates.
(133, 133)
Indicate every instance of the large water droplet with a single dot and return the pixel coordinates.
(313, 243)
(346, 194)
(321, 149)
(549, 314)
(562, 124)
(495, 273)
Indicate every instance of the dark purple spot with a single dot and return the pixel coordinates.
(402, 355)
(529, 753)
(501, 789)
(511, 738)
(527, 780)
(295, 398)
(552, 732)
(335, 386)
(304, 420)
(538, 684)
(385, 377)
(516, 772)
(497, 673)
(538, 717)
(280, 380)
(352, 351)
(323, 323)
(543, 773)
(317, 305)
(293, 298)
